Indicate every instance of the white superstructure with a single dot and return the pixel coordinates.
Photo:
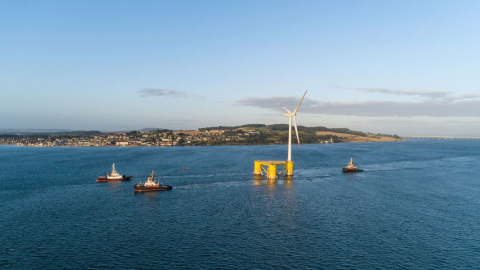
(114, 174)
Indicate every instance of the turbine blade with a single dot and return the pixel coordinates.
(295, 111)
(296, 130)
(285, 109)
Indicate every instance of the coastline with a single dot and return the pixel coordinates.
(245, 135)
(125, 146)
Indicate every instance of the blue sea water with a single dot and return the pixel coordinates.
(416, 206)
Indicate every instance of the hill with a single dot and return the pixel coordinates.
(278, 133)
(251, 134)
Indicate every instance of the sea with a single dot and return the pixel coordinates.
(416, 205)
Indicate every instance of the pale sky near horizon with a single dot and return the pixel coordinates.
(397, 67)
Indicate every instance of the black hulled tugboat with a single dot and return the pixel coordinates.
(151, 185)
(351, 167)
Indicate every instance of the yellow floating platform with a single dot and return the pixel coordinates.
(269, 167)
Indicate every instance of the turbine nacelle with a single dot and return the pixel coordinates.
(288, 113)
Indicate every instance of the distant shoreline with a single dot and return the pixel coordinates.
(253, 134)
(128, 146)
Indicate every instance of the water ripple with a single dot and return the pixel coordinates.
(397, 214)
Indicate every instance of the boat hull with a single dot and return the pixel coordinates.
(348, 170)
(106, 179)
(142, 188)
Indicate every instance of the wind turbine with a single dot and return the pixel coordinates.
(290, 114)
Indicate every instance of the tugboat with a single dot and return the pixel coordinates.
(351, 167)
(113, 176)
(151, 185)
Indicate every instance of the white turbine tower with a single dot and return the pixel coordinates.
(292, 114)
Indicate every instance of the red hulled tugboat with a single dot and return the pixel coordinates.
(351, 167)
(151, 185)
(113, 176)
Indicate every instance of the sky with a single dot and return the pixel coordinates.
(392, 67)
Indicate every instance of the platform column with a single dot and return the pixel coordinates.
(272, 172)
(257, 168)
(289, 168)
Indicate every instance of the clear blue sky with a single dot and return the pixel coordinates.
(397, 67)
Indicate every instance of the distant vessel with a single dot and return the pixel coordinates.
(113, 176)
(151, 185)
(351, 167)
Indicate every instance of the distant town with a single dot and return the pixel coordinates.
(253, 134)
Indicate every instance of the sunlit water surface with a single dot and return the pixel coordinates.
(416, 205)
